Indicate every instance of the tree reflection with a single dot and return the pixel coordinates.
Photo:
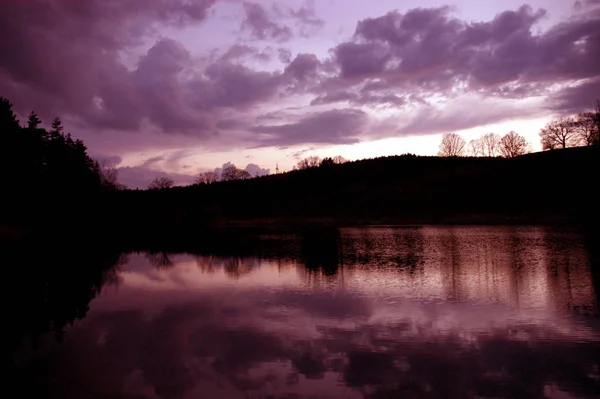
(50, 286)
(160, 259)
(320, 251)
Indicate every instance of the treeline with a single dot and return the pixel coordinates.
(230, 172)
(574, 131)
(45, 172)
(540, 188)
(490, 145)
(51, 179)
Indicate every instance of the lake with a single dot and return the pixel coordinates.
(378, 312)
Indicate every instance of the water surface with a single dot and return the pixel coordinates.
(386, 312)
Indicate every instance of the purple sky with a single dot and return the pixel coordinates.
(181, 86)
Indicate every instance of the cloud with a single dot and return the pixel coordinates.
(306, 18)
(368, 98)
(78, 46)
(165, 100)
(140, 177)
(102, 67)
(429, 52)
(337, 126)
(253, 169)
(576, 98)
(238, 52)
(68, 52)
(458, 114)
(256, 171)
(303, 67)
(261, 26)
(285, 55)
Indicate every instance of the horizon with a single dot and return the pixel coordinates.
(218, 81)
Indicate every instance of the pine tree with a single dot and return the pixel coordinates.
(8, 119)
(57, 126)
(33, 122)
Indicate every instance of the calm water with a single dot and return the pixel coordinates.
(428, 312)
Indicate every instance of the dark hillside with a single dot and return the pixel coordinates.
(550, 187)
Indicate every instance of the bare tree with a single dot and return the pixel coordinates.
(512, 145)
(559, 134)
(209, 177)
(232, 173)
(475, 148)
(452, 145)
(597, 123)
(309, 162)
(491, 145)
(109, 177)
(586, 128)
(338, 159)
(161, 183)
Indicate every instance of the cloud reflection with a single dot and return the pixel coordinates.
(477, 312)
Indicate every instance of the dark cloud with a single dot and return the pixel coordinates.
(78, 46)
(361, 98)
(66, 58)
(576, 98)
(303, 67)
(428, 51)
(307, 19)
(234, 85)
(63, 53)
(285, 55)
(165, 100)
(337, 126)
(432, 119)
(241, 51)
(361, 59)
(261, 26)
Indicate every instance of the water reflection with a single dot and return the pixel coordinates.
(381, 313)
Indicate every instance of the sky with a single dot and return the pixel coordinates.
(178, 87)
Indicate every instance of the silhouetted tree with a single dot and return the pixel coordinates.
(512, 145)
(109, 177)
(53, 166)
(33, 122)
(452, 145)
(475, 148)
(338, 159)
(491, 145)
(586, 129)
(57, 126)
(207, 178)
(161, 183)
(232, 173)
(327, 162)
(559, 134)
(8, 119)
(309, 162)
(596, 137)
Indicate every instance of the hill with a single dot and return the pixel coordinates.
(541, 188)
